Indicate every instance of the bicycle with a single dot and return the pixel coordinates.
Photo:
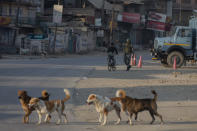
(111, 62)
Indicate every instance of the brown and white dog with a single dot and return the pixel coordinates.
(24, 100)
(133, 106)
(103, 106)
(49, 106)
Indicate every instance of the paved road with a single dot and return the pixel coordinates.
(87, 74)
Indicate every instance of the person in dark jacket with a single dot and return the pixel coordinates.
(111, 51)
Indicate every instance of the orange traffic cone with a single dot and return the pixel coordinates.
(174, 64)
(134, 60)
(131, 60)
(140, 62)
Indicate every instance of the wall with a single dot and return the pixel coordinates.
(6, 35)
(87, 41)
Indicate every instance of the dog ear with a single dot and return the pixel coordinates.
(93, 96)
(45, 93)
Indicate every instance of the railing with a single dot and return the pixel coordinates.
(23, 2)
(73, 11)
(22, 21)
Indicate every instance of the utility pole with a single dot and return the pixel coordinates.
(180, 12)
(103, 18)
(16, 22)
(54, 41)
(103, 12)
(55, 35)
(111, 25)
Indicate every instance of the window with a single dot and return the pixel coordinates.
(185, 33)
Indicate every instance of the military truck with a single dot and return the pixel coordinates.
(182, 45)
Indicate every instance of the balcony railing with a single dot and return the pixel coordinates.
(23, 2)
(24, 21)
(73, 11)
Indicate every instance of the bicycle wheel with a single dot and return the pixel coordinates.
(113, 68)
(109, 68)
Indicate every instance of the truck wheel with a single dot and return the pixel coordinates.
(179, 59)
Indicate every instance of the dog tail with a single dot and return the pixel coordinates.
(120, 93)
(155, 95)
(67, 92)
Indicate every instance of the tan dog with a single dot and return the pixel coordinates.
(133, 106)
(103, 106)
(49, 106)
(24, 100)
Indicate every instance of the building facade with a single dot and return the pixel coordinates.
(16, 17)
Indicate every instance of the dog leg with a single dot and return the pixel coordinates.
(130, 118)
(100, 117)
(60, 118)
(118, 114)
(47, 117)
(26, 117)
(152, 115)
(157, 114)
(136, 116)
(40, 117)
(127, 114)
(105, 118)
(65, 118)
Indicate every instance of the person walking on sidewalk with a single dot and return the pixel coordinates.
(128, 50)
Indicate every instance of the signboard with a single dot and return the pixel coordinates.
(153, 16)
(158, 26)
(98, 22)
(129, 17)
(156, 21)
(57, 14)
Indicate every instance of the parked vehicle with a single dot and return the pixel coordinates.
(182, 45)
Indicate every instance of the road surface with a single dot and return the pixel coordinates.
(85, 74)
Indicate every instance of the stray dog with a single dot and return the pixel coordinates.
(49, 106)
(103, 106)
(24, 100)
(133, 106)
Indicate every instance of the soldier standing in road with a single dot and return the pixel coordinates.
(128, 50)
